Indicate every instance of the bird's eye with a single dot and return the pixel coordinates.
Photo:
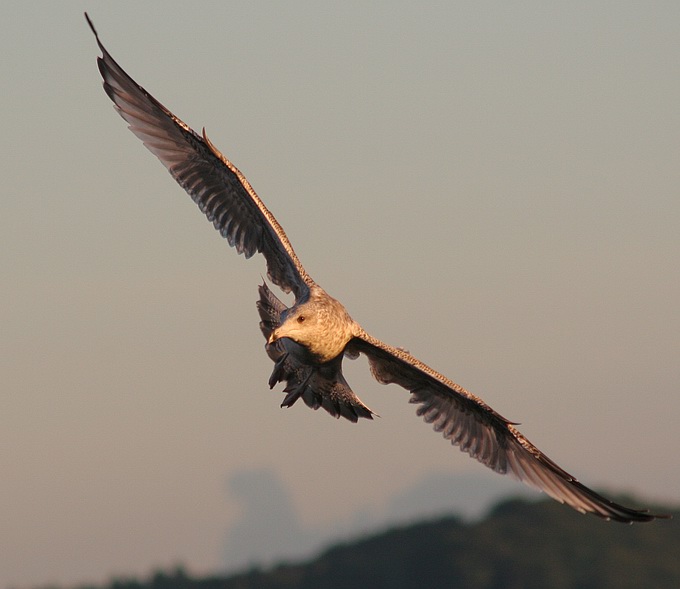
(300, 318)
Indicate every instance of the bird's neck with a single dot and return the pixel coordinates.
(338, 327)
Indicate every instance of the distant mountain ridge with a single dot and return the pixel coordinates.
(518, 545)
(268, 529)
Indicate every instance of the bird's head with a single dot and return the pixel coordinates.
(300, 325)
(320, 324)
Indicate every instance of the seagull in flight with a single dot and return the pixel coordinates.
(308, 341)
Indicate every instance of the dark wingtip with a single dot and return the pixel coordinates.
(96, 35)
(659, 516)
(89, 22)
(627, 515)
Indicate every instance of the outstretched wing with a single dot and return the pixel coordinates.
(212, 181)
(317, 385)
(480, 431)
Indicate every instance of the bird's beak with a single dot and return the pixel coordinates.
(273, 336)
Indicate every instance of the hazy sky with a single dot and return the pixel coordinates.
(494, 186)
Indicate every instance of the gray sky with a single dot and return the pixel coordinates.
(493, 186)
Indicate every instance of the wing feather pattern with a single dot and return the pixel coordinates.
(219, 189)
(484, 434)
(226, 198)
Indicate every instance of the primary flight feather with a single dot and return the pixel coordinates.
(308, 341)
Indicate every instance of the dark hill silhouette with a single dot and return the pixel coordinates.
(519, 544)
